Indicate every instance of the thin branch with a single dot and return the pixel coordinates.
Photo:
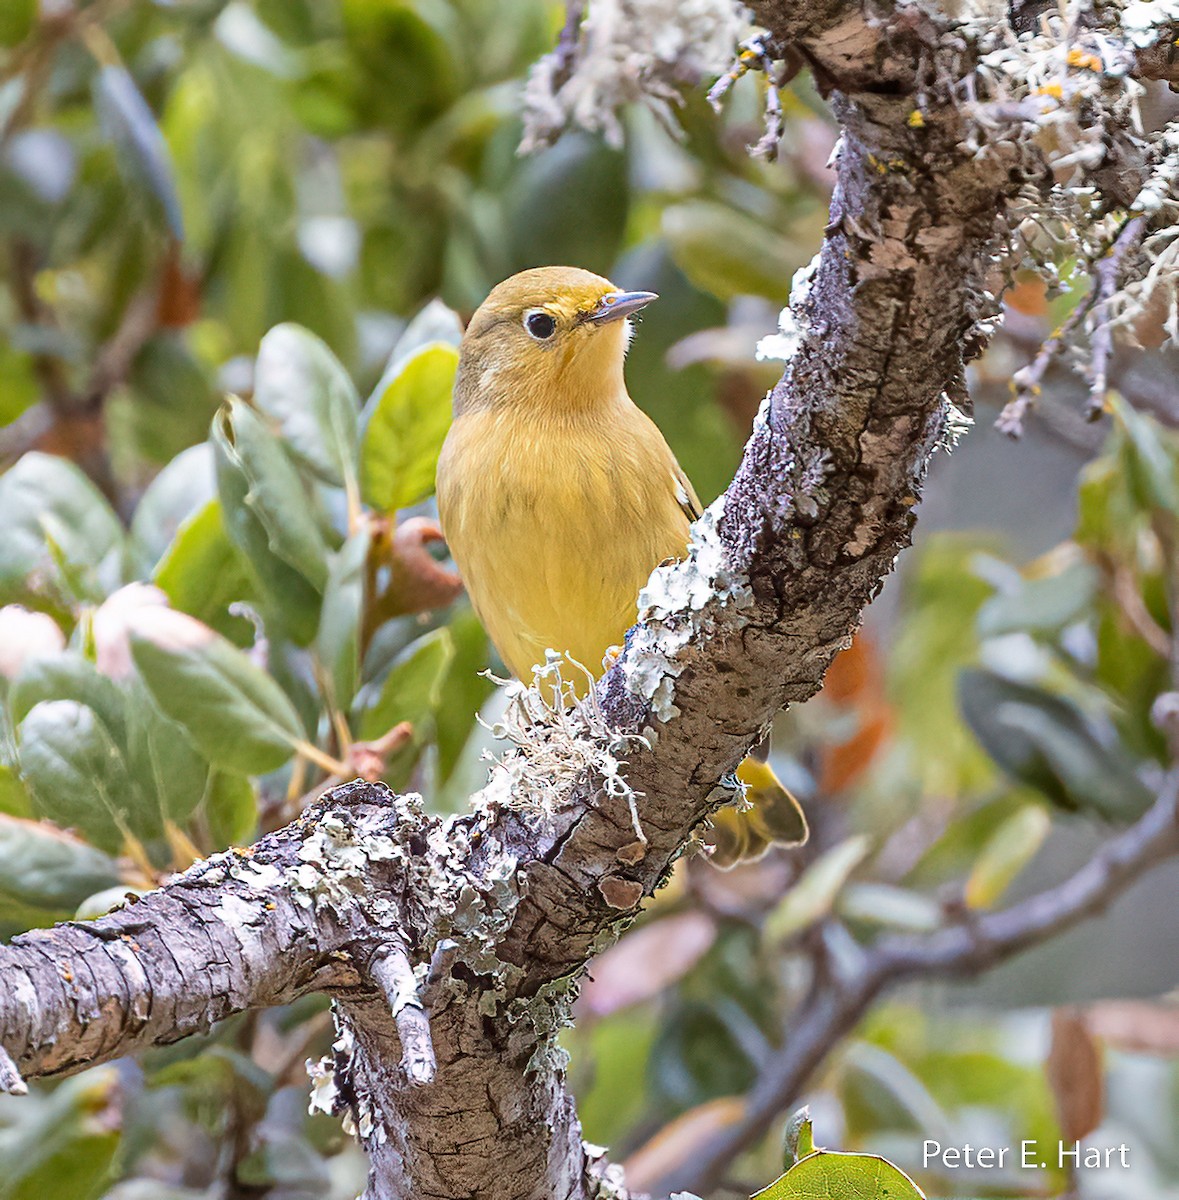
(393, 972)
(113, 362)
(834, 1008)
(1028, 382)
(1107, 274)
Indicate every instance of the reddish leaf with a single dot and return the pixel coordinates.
(1075, 1075)
(676, 1143)
(646, 961)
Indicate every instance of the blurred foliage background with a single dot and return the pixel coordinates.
(211, 608)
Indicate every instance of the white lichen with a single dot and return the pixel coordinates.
(325, 1095)
(1143, 19)
(792, 323)
(679, 604)
(1063, 100)
(629, 51)
(559, 735)
(334, 862)
(475, 901)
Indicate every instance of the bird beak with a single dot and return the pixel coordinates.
(614, 306)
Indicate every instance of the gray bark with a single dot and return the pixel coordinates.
(453, 948)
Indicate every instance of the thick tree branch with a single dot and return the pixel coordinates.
(242, 930)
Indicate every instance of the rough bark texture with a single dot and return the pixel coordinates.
(484, 922)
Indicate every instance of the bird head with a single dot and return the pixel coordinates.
(552, 336)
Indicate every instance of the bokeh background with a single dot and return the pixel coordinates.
(177, 179)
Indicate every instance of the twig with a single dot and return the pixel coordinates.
(394, 974)
(50, 372)
(834, 1008)
(767, 144)
(117, 354)
(1130, 601)
(1108, 271)
(565, 54)
(1027, 382)
(759, 53)
(440, 963)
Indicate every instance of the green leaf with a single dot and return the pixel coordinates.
(77, 775)
(407, 420)
(1042, 605)
(202, 573)
(729, 253)
(49, 504)
(1150, 462)
(273, 494)
(14, 799)
(185, 487)
(952, 854)
(1105, 512)
(268, 516)
(69, 676)
(413, 687)
(162, 760)
(337, 644)
(170, 399)
(231, 810)
(63, 1143)
(827, 1174)
(48, 868)
(942, 594)
(1044, 741)
(814, 895)
(465, 690)
(1005, 854)
(580, 174)
(620, 1050)
(235, 713)
(436, 323)
(140, 149)
(303, 388)
(16, 20)
(881, 904)
(799, 1139)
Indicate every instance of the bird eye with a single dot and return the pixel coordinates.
(540, 325)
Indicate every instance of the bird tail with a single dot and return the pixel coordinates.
(773, 816)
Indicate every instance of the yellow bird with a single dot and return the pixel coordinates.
(559, 496)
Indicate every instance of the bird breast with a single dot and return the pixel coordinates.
(556, 523)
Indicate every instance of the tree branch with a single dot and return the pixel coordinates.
(984, 940)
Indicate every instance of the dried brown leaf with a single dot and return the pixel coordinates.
(1075, 1075)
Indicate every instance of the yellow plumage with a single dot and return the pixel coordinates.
(558, 496)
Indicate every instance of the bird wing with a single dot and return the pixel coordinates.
(685, 494)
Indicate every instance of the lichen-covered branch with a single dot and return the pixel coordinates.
(453, 948)
(245, 929)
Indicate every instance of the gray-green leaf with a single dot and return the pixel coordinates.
(337, 644)
(50, 508)
(77, 775)
(411, 689)
(1044, 741)
(233, 711)
(303, 388)
(140, 149)
(48, 868)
